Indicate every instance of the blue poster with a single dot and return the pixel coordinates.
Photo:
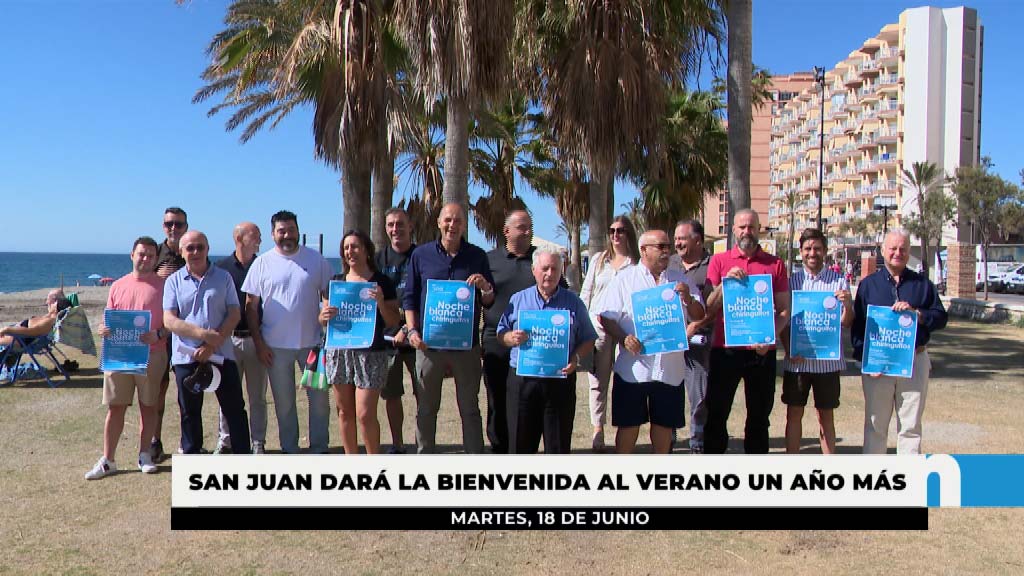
(659, 320)
(354, 325)
(122, 349)
(890, 339)
(448, 315)
(546, 352)
(815, 331)
(749, 310)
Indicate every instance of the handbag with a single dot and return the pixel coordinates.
(314, 375)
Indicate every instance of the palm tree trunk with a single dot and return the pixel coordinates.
(924, 237)
(599, 214)
(573, 275)
(355, 190)
(383, 193)
(739, 104)
(456, 154)
(610, 191)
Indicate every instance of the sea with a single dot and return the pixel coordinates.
(22, 271)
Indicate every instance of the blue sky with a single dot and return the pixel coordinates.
(98, 134)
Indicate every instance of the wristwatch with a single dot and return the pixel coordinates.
(487, 292)
(404, 330)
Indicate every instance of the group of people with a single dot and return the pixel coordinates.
(256, 318)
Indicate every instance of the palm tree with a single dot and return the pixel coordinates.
(921, 178)
(691, 163)
(460, 51)
(421, 159)
(554, 174)
(496, 158)
(277, 55)
(605, 65)
(739, 103)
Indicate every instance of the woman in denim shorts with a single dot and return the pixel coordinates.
(357, 375)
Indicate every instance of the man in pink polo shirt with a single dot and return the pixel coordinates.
(754, 364)
(141, 289)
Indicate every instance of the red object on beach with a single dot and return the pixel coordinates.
(106, 281)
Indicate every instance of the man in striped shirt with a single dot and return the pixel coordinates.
(801, 374)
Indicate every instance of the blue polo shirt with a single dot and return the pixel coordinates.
(201, 301)
(881, 289)
(580, 327)
(431, 261)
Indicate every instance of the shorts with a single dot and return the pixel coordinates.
(366, 369)
(796, 386)
(119, 388)
(394, 386)
(636, 403)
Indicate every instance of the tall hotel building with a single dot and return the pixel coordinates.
(910, 94)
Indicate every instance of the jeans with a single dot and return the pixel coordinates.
(282, 385)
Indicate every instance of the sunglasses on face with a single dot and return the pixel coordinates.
(175, 224)
(662, 247)
(195, 248)
(614, 231)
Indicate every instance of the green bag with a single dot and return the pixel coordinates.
(315, 374)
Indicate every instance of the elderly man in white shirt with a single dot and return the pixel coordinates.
(646, 388)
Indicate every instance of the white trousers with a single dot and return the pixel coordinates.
(907, 395)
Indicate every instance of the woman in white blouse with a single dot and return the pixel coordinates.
(620, 253)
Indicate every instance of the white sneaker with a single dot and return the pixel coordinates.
(102, 468)
(257, 448)
(146, 463)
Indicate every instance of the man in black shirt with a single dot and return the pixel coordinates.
(247, 244)
(168, 261)
(391, 261)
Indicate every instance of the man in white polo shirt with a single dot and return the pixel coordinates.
(288, 281)
(646, 388)
(802, 374)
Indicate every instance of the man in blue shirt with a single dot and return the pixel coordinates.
(201, 310)
(448, 258)
(544, 406)
(903, 289)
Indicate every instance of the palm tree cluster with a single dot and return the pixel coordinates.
(562, 96)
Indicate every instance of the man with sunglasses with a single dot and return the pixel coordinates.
(201, 310)
(646, 388)
(168, 261)
(755, 365)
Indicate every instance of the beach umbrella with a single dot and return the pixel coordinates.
(94, 277)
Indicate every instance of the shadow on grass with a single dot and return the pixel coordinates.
(81, 379)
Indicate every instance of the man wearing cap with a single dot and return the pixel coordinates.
(201, 310)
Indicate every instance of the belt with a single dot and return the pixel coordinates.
(242, 333)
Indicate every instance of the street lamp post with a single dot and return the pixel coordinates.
(819, 78)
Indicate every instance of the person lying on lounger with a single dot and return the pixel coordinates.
(31, 328)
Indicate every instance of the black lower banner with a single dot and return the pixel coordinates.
(426, 518)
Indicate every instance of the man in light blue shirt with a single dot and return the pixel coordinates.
(201, 310)
(544, 406)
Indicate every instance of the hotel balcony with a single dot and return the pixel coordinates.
(887, 56)
(868, 93)
(888, 108)
(868, 68)
(886, 160)
(852, 79)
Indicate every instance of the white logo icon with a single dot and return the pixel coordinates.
(905, 321)
(558, 320)
(760, 286)
(830, 303)
(462, 293)
(668, 294)
(364, 294)
(139, 321)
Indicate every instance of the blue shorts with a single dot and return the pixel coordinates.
(634, 404)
